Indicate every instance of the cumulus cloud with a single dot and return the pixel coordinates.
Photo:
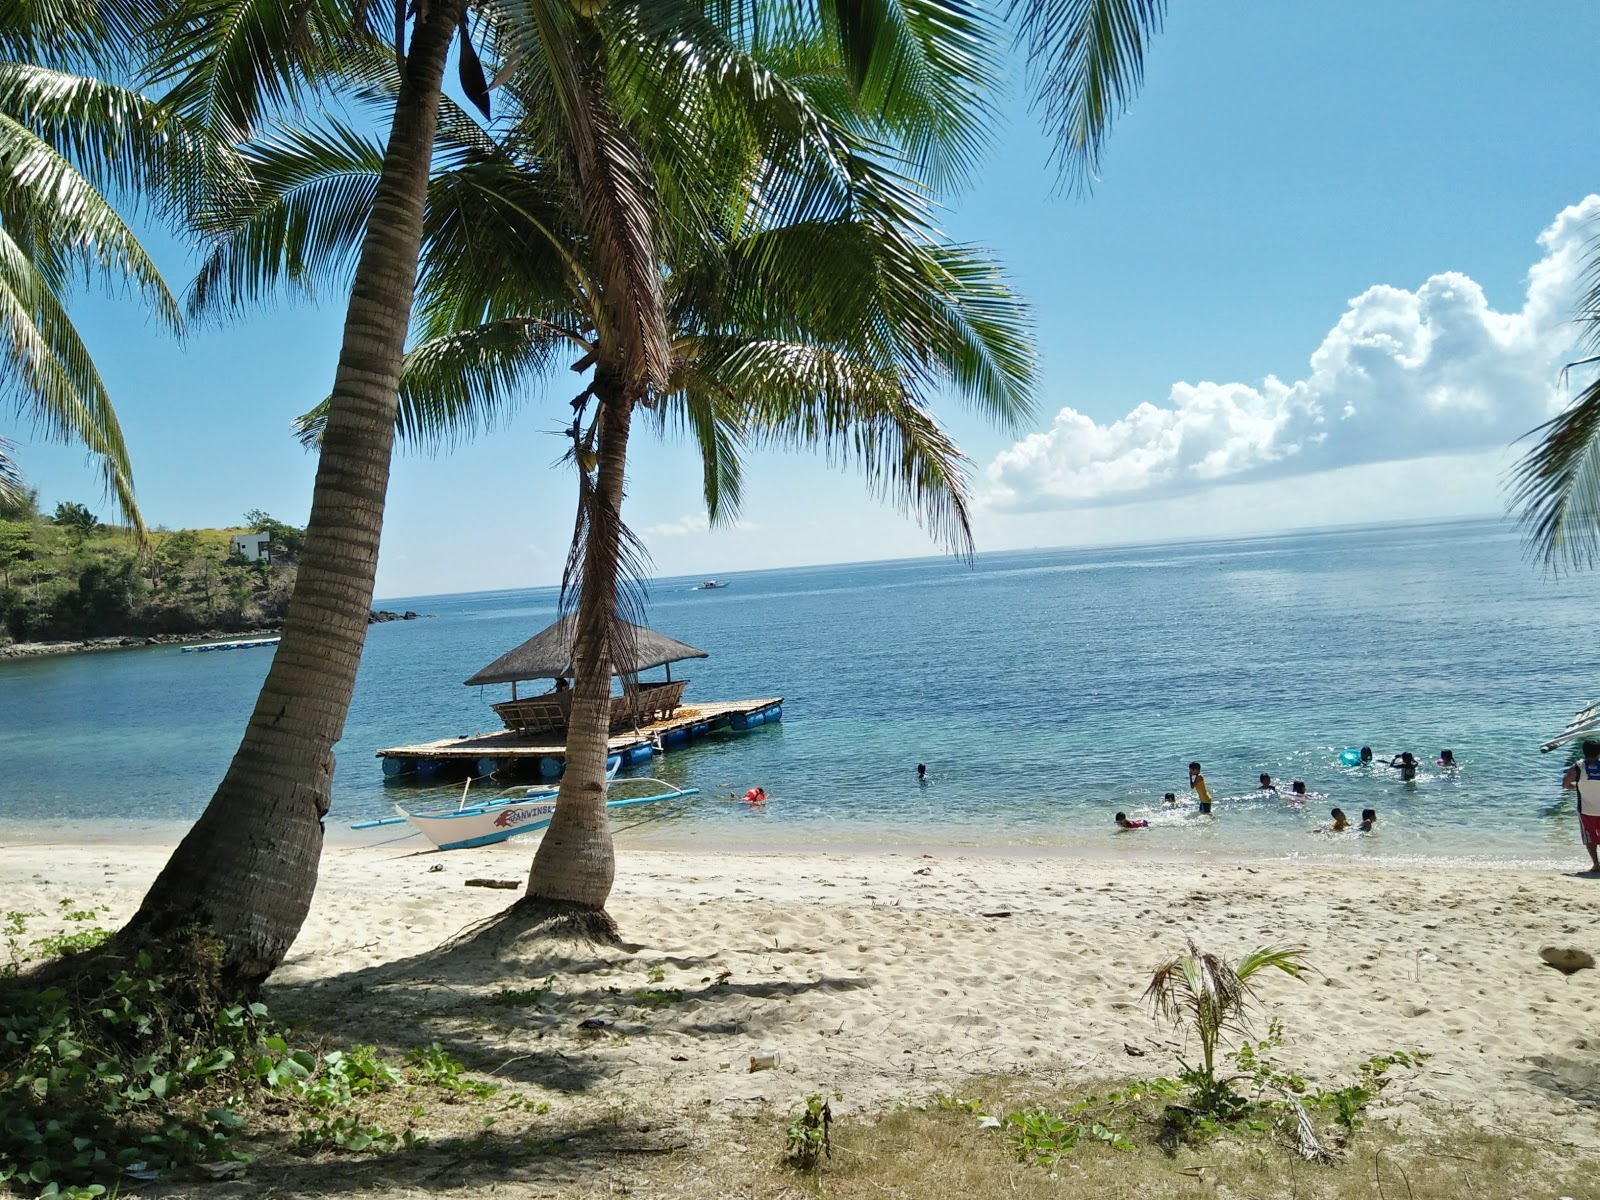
(1403, 375)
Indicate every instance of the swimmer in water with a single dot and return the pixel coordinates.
(1124, 823)
(756, 797)
(922, 772)
(1406, 764)
(1447, 759)
(1297, 789)
(1340, 823)
(1170, 798)
(1366, 756)
(1197, 781)
(1266, 783)
(1369, 818)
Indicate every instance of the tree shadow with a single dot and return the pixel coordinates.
(550, 1156)
(535, 1010)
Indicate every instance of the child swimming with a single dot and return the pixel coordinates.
(1124, 823)
(1340, 823)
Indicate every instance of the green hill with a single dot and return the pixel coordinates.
(67, 576)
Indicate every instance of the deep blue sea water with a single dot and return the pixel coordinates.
(1045, 690)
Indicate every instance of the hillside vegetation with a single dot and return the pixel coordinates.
(67, 576)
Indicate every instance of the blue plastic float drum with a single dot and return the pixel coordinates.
(1350, 757)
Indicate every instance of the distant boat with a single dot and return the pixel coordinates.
(709, 585)
(251, 645)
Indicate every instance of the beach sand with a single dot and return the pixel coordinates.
(894, 977)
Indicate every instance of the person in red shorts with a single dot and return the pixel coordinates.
(1584, 778)
(1124, 823)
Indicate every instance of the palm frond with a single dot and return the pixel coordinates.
(719, 439)
(46, 371)
(1556, 485)
(796, 396)
(13, 486)
(1288, 959)
(925, 69)
(44, 193)
(228, 65)
(459, 385)
(299, 221)
(117, 138)
(1087, 59)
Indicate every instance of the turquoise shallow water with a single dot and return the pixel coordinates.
(1044, 690)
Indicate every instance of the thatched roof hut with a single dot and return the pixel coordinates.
(548, 655)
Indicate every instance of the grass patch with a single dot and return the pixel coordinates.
(939, 1151)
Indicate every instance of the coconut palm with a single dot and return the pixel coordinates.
(807, 303)
(247, 869)
(71, 140)
(1209, 997)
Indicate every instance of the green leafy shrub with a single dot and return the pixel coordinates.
(807, 1139)
(143, 1069)
(1349, 1103)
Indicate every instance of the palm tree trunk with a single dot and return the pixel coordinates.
(248, 868)
(576, 862)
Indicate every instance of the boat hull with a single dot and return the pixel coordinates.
(466, 828)
(484, 825)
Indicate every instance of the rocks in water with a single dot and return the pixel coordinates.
(379, 615)
(1567, 959)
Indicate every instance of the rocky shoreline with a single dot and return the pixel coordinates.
(86, 645)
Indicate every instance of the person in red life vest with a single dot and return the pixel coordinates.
(1584, 778)
(1124, 823)
(756, 797)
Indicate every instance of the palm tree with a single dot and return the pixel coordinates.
(67, 139)
(247, 869)
(1209, 997)
(815, 308)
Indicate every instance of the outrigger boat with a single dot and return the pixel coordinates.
(485, 822)
(709, 585)
(1582, 725)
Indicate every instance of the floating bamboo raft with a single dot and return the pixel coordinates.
(488, 753)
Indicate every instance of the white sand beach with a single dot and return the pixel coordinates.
(893, 977)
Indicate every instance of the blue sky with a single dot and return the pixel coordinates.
(1365, 184)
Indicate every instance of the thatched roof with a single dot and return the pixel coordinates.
(548, 655)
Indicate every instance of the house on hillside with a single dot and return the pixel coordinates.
(252, 546)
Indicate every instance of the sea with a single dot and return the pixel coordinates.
(1044, 690)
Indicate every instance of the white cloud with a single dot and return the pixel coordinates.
(693, 523)
(1403, 375)
(684, 526)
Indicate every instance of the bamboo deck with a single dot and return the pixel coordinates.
(504, 745)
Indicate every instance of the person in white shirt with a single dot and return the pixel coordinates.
(1584, 778)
